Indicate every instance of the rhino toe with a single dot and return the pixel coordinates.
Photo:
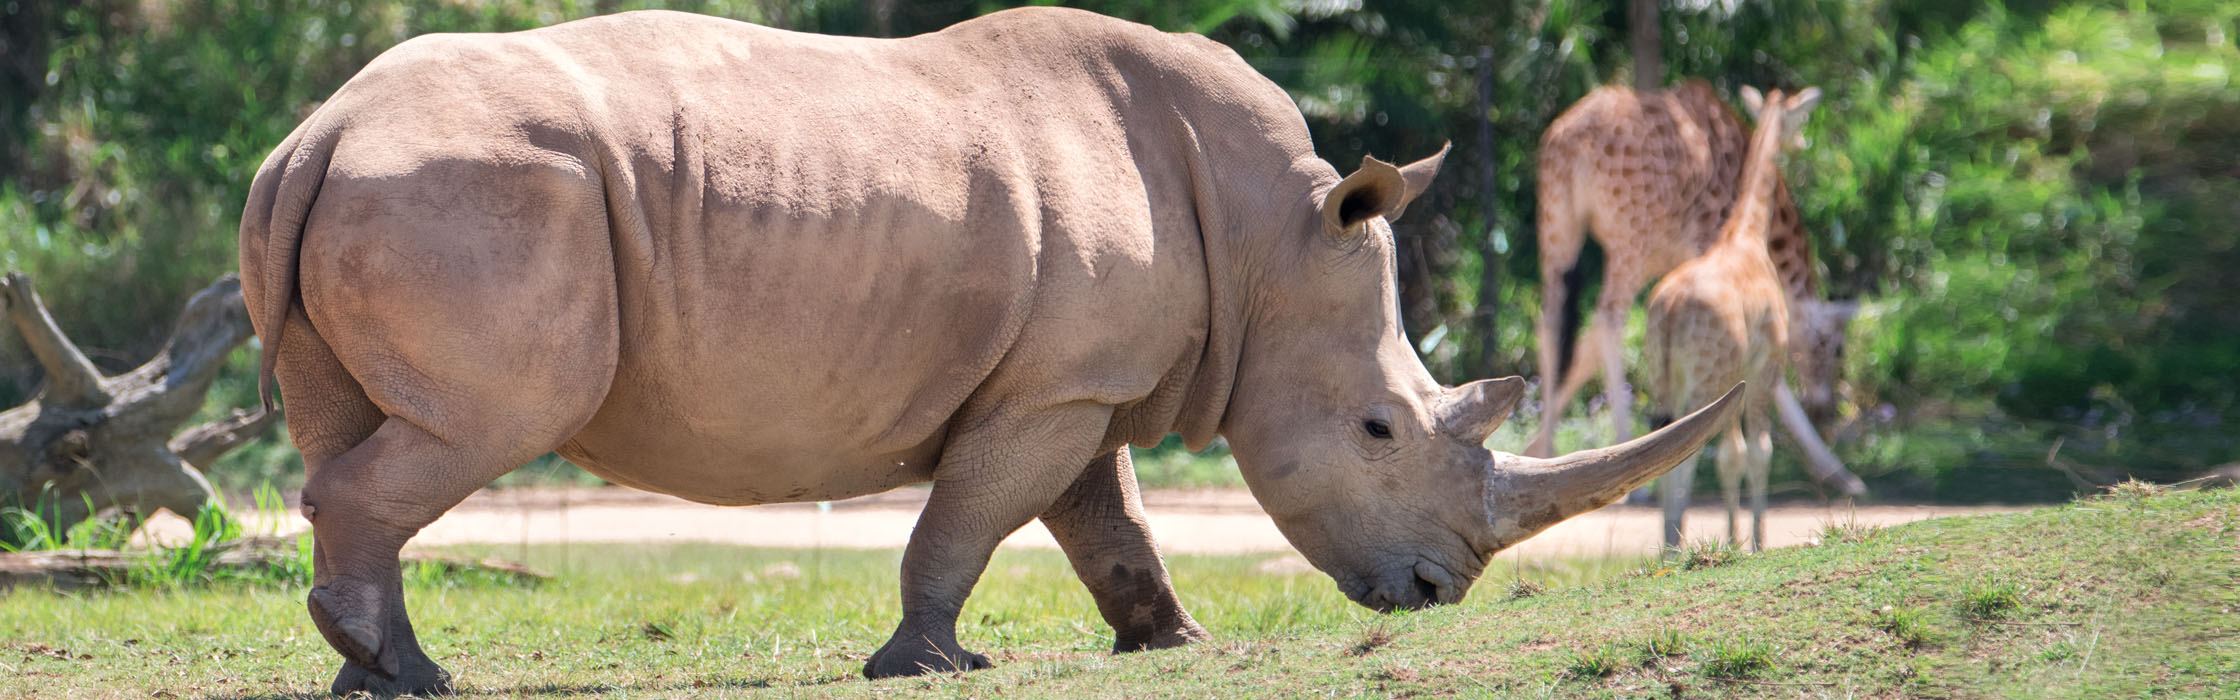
(350, 624)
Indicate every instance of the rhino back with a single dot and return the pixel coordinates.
(821, 249)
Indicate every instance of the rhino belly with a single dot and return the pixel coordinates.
(741, 473)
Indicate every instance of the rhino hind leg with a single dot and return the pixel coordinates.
(994, 477)
(1099, 523)
(364, 505)
(373, 480)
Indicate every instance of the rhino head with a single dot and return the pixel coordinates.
(1373, 470)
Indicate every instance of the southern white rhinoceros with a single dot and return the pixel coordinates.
(742, 265)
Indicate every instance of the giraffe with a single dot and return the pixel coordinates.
(1652, 175)
(1723, 317)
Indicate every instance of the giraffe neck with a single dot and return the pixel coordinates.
(1753, 214)
(1790, 248)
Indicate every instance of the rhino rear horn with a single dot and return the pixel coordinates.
(1472, 412)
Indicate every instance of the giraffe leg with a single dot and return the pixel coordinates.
(1732, 455)
(1561, 238)
(1672, 494)
(1583, 367)
(1618, 395)
(1623, 281)
(1761, 458)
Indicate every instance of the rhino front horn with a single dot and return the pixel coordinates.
(1525, 495)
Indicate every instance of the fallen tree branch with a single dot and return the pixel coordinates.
(202, 445)
(99, 568)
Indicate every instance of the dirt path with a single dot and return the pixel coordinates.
(1195, 522)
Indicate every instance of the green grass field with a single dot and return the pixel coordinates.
(2120, 596)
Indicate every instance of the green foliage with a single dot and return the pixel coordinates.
(37, 526)
(2034, 196)
(1169, 465)
(193, 560)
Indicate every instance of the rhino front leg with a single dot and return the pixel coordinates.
(1100, 524)
(993, 478)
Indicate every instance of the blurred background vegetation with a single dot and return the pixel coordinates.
(2036, 200)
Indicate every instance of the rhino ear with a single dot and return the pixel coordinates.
(1419, 175)
(1377, 189)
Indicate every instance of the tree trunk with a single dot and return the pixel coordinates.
(1648, 45)
(90, 443)
(1485, 335)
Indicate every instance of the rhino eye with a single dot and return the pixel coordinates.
(1377, 429)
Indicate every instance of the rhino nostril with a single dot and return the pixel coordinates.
(1427, 593)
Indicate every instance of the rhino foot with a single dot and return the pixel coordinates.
(1187, 633)
(922, 657)
(379, 655)
(418, 680)
(349, 614)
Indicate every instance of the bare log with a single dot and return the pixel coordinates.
(94, 568)
(91, 443)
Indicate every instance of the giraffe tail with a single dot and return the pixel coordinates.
(1567, 325)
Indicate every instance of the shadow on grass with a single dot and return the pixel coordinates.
(564, 690)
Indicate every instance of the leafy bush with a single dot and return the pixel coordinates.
(2033, 196)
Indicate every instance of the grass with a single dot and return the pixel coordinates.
(1990, 600)
(1908, 625)
(1729, 659)
(1706, 553)
(1666, 642)
(1601, 661)
(2078, 617)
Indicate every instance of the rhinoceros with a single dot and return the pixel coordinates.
(741, 265)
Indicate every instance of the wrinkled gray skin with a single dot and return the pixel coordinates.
(742, 265)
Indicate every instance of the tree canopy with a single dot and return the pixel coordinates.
(2034, 197)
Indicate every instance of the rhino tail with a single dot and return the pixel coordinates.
(280, 200)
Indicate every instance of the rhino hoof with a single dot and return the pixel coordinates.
(355, 680)
(894, 663)
(1183, 635)
(349, 624)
